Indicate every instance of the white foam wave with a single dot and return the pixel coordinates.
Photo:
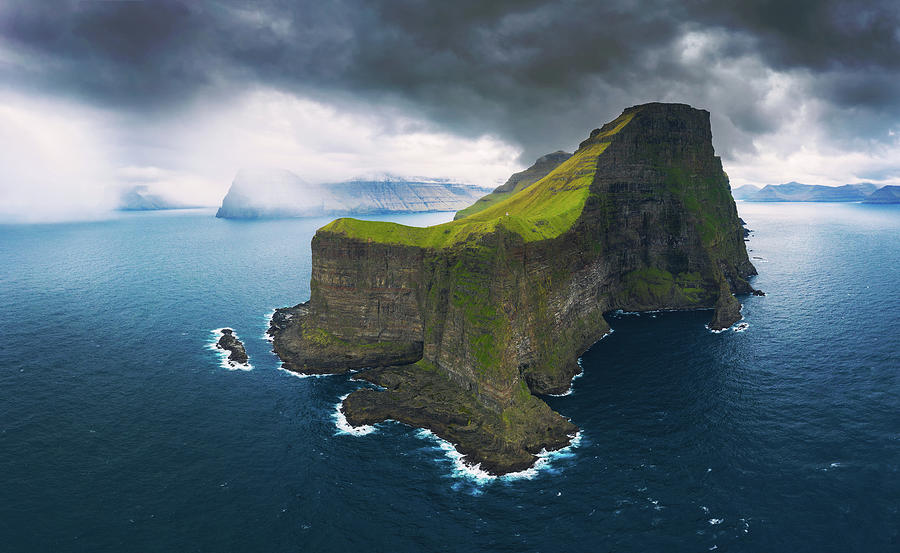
(715, 521)
(266, 336)
(571, 389)
(474, 472)
(345, 427)
(737, 326)
(302, 375)
(224, 362)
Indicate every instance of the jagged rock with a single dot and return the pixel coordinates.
(230, 343)
(496, 307)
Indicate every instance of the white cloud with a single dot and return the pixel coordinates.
(321, 142)
(63, 161)
(52, 160)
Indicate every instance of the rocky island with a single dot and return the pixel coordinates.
(237, 355)
(467, 323)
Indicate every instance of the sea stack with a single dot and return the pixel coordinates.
(235, 348)
(466, 323)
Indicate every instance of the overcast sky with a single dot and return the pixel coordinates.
(180, 95)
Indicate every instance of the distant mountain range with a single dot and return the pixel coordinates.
(797, 192)
(276, 193)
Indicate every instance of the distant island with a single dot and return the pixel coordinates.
(278, 193)
(139, 198)
(798, 192)
(464, 325)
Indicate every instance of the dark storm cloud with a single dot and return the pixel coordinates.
(537, 73)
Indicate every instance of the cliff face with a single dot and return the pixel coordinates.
(280, 193)
(497, 307)
(517, 182)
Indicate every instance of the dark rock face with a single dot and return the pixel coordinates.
(230, 343)
(495, 319)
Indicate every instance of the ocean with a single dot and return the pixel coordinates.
(121, 430)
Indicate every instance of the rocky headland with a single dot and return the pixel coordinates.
(467, 323)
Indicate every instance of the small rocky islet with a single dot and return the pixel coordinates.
(229, 342)
(466, 324)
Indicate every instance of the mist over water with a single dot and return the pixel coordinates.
(120, 429)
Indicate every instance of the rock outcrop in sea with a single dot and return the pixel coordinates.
(235, 348)
(467, 323)
(276, 193)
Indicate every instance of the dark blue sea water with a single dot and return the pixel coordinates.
(121, 431)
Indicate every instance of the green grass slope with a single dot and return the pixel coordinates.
(541, 211)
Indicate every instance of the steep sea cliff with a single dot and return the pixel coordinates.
(464, 324)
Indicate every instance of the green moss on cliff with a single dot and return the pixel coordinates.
(657, 287)
(321, 338)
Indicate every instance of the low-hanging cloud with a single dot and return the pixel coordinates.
(817, 75)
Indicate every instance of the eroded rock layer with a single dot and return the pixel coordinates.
(474, 318)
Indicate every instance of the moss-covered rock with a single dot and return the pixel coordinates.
(498, 305)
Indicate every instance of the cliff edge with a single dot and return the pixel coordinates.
(464, 324)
